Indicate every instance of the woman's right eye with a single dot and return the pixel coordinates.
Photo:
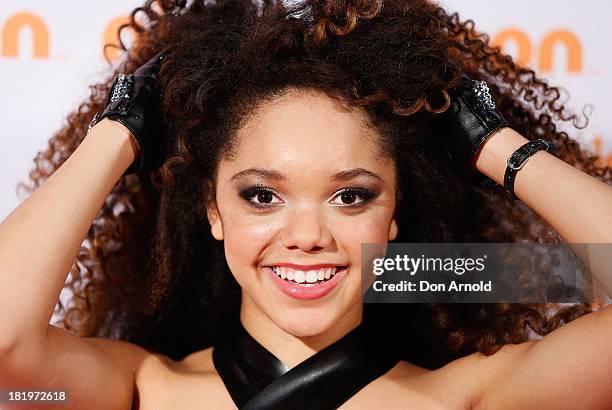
(259, 197)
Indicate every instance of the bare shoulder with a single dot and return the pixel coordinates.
(126, 353)
(148, 370)
(460, 383)
(200, 361)
(410, 386)
(472, 374)
(160, 382)
(479, 362)
(191, 377)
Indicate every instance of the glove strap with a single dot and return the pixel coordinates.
(516, 161)
(117, 109)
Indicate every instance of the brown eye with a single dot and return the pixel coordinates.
(264, 197)
(259, 197)
(348, 197)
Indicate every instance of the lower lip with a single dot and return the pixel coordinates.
(314, 291)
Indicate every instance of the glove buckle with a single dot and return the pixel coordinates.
(93, 121)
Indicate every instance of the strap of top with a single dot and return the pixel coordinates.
(245, 366)
(256, 379)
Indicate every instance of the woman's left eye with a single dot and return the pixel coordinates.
(350, 194)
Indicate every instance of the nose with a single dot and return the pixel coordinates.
(305, 230)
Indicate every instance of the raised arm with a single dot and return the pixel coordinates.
(576, 204)
(571, 367)
(40, 239)
(39, 242)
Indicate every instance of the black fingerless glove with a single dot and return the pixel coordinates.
(134, 101)
(470, 119)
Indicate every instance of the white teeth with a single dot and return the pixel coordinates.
(299, 277)
(311, 276)
(307, 278)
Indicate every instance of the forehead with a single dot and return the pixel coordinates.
(307, 131)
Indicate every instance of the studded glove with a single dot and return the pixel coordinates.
(134, 101)
(466, 124)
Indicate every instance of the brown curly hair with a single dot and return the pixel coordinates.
(149, 271)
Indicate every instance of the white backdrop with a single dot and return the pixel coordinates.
(51, 51)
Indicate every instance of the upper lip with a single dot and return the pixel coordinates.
(308, 267)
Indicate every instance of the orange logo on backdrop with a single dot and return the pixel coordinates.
(15, 23)
(111, 36)
(40, 35)
(544, 63)
(12, 29)
(602, 159)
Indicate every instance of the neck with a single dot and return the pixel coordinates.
(290, 349)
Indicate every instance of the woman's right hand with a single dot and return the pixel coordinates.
(134, 101)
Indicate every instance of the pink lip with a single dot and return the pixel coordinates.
(306, 292)
(308, 267)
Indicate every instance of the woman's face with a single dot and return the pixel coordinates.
(307, 186)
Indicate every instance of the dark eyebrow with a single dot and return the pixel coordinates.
(259, 172)
(354, 173)
(275, 175)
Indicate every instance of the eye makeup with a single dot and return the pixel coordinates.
(264, 193)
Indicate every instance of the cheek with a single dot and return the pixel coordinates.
(244, 241)
(371, 228)
(350, 234)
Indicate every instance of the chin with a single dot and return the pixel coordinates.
(306, 322)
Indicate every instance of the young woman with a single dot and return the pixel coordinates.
(233, 172)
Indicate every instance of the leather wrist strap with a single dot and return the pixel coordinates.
(256, 379)
(516, 161)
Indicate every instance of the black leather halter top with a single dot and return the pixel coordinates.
(256, 379)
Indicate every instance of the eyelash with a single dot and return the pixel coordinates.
(254, 190)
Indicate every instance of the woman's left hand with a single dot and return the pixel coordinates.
(471, 117)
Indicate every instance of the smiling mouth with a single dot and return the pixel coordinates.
(306, 277)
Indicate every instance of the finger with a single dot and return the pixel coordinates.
(153, 65)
